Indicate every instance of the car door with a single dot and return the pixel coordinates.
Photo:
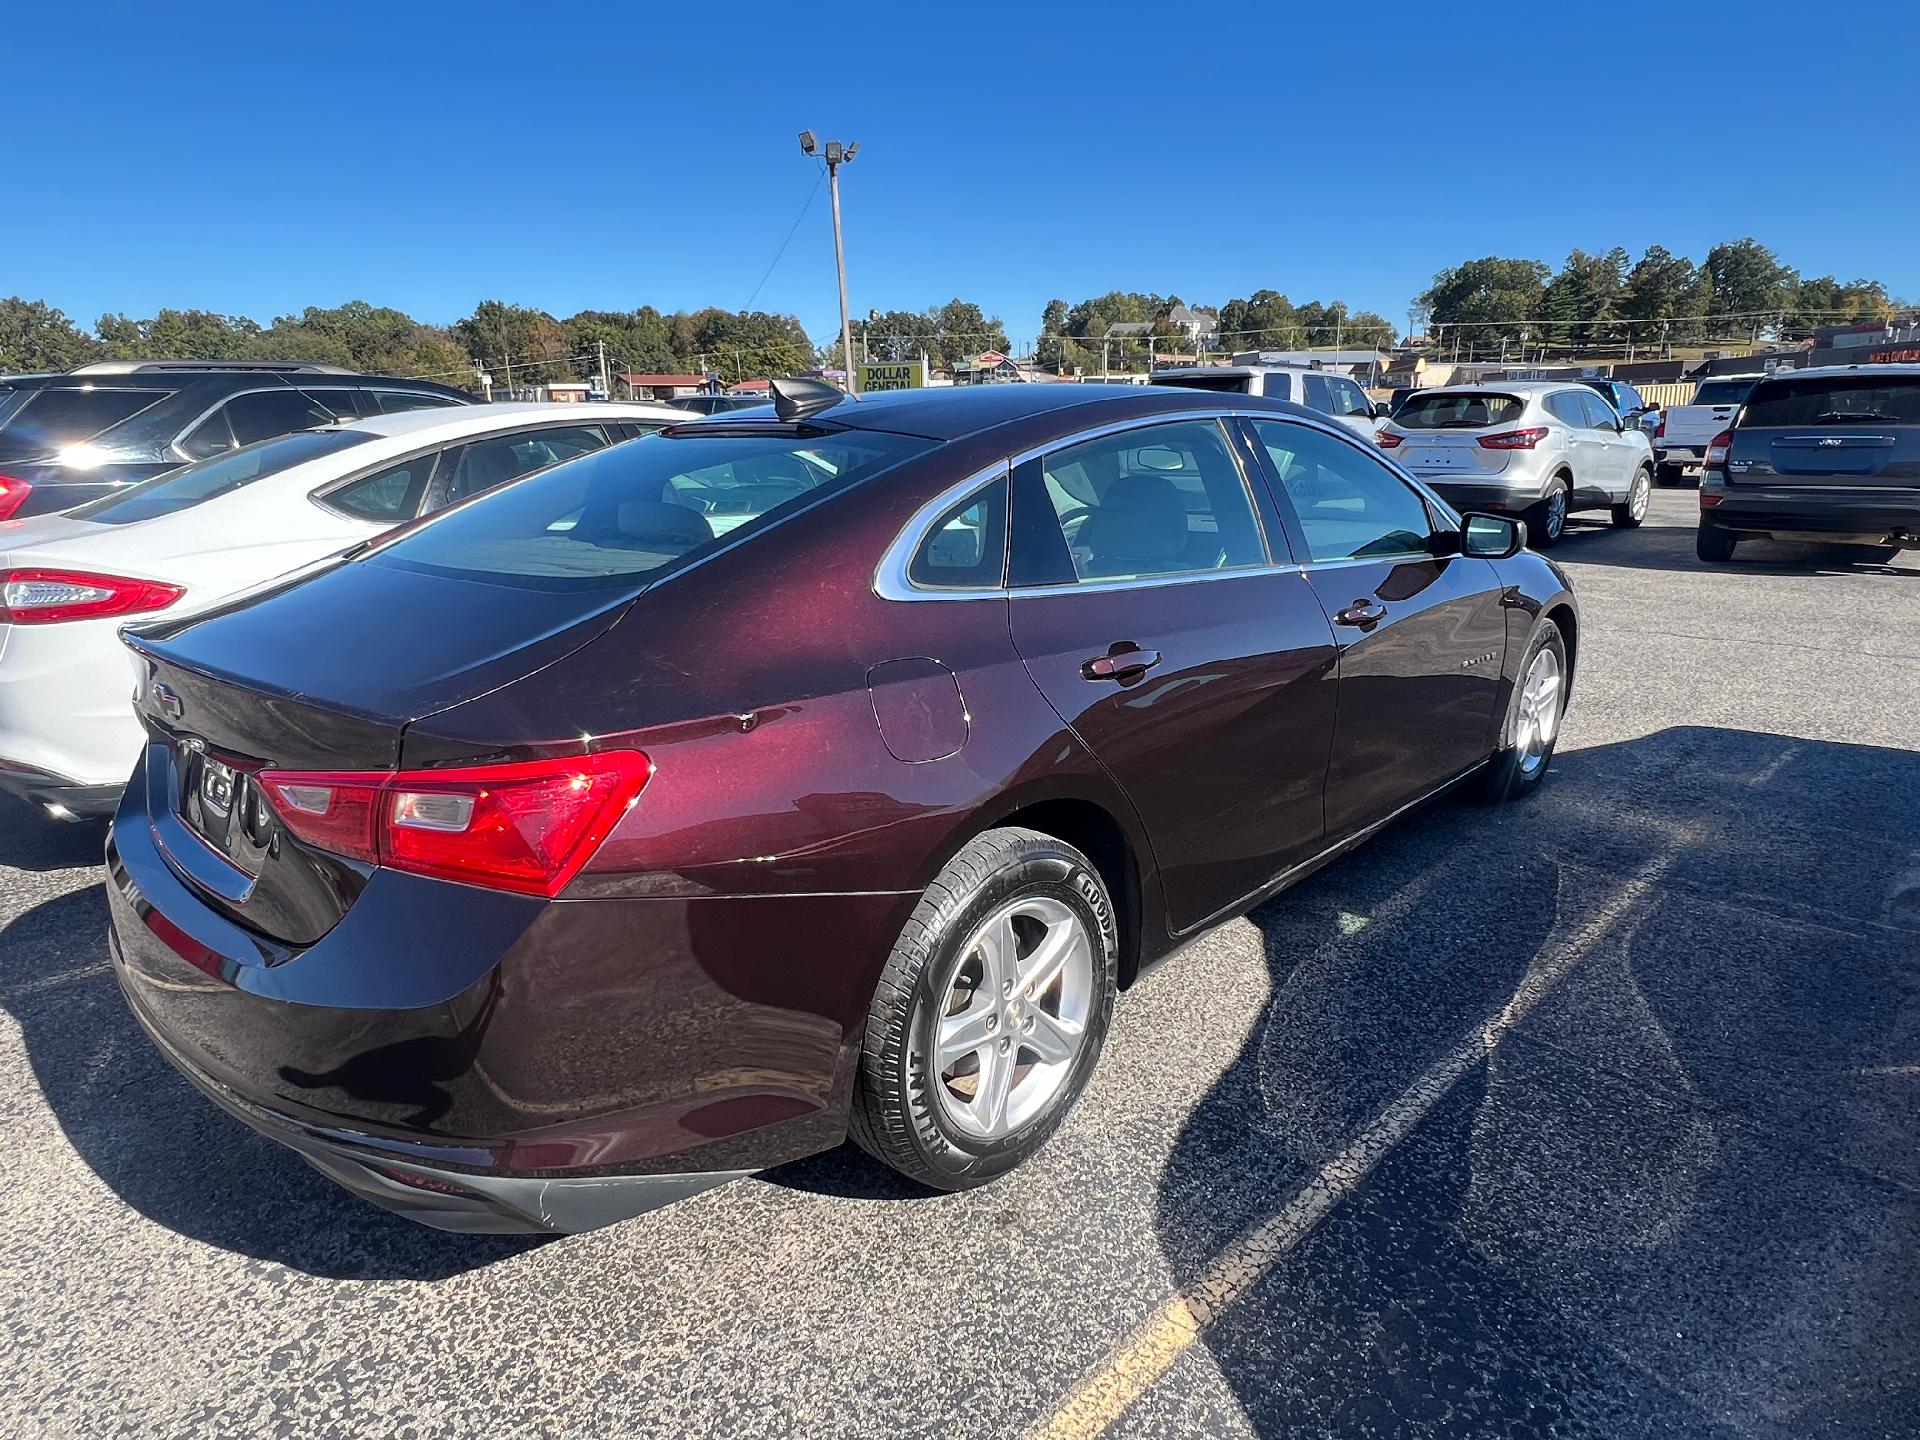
(1618, 449)
(1585, 453)
(1146, 607)
(1421, 634)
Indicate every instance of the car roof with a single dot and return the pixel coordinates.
(1826, 371)
(950, 412)
(1235, 370)
(1506, 387)
(454, 421)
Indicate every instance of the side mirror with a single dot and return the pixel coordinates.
(1381, 410)
(1492, 537)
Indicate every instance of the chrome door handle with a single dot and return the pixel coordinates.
(1363, 613)
(1123, 662)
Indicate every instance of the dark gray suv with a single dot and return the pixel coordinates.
(1823, 454)
(78, 435)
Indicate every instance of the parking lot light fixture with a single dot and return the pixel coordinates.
(835, 154)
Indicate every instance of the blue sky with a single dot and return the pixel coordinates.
(257, 158)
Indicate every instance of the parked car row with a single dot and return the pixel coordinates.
(701, 799)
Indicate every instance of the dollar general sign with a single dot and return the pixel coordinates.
(912, 375)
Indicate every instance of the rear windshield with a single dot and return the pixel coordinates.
(1721, 392)
(1230, 384)
(191, 484)
(1457, 411)
(602, 520)
(1835, 400)
(50, 420)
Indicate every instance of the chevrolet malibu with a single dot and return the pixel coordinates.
(690, 806)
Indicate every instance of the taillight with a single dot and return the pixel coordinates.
(1386, 439)
(42, 597)
(13, 494)
(526, 827)
(1717, 448)
(1514, 439)
(1660, 425)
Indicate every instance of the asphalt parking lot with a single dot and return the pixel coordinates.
(1595, 1115)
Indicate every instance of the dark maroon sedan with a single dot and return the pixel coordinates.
(684, 808)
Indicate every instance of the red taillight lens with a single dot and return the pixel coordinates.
(1514, 439)
(41, 597)
(1717, 448)
(13, 494)
(1660, 425)
(1387, 440)
(525, 827)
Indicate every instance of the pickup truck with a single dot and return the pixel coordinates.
(1334, 396)
(1681, 436)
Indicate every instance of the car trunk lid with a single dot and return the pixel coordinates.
(320, 676)
(1857, 430)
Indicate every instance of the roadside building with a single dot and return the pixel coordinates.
(655, 385)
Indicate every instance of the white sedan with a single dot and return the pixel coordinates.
(191, 538)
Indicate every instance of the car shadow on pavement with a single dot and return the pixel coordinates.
(30, 841)
(1670, 547)
(163, 1149)
(1599, 1113)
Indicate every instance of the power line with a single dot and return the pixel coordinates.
(792, 230)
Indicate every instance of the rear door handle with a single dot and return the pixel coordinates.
(1123, 661)
(1364, 613)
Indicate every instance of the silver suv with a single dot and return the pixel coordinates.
(1538, 448)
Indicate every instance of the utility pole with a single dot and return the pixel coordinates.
(506, 362)
(837, 155)
(605, 388)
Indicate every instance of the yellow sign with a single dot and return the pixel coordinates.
(875, 375)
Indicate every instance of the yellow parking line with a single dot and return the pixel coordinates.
(1133, 1366)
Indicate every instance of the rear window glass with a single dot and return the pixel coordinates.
(1458, 412)
(188, 486)
(52, 419)
(1835, 400)
(1228, 384)
(1721, 392)
(602, 520)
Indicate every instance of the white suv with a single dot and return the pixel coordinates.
(1334, 396)
(1539, 448)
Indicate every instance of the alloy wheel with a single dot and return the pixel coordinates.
(1014, 1017)
(1539, 717)
(1556, 512)
(1638, 497)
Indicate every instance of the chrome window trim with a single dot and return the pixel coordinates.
(890, 580)
(323, 493)
(201, 419)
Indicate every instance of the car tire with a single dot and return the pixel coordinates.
(1713, 545)
(951, 1117)
(1547, 520)
(1530, 732)
(1633, 510)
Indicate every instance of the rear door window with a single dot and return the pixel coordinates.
(966, 548)
(605, 520)
(1568, 407)
(1277, 385)
(1159, 500)
(53, 418)
(1319, 397)
(1600, 415)
(1441, 411)
(1834, 400)
(391, 496)
(258, 415)
(484, 464)
(391, 402)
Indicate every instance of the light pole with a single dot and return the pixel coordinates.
(837, 155)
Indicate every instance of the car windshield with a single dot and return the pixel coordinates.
(602, 520)
(191, 485)
(49, 420)
(1458, 410)
(1835, 400)
(1722, 392)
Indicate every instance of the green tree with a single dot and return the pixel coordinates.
(1052, 348)
(514, 339)
(1580, 304)
(1750, 285)
(1490, 299)
(1825, 301)
(1265, 320)
(1664, 297)
(179, 335)
(35, 336)
(636, 340)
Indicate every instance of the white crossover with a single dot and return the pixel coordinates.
(199, 535)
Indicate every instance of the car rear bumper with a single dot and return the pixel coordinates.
(1498, 498)
(60, 797)
(1863, 515)
(1679, 454)
(495, 1062)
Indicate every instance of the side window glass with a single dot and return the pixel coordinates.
(265, 414)
(967, 546)
(1564, 406)
(393, 401)
(389, 497)
(1350, 398)
(1600, 414)
(1318, 397)
(487, 463)
(1351, 507)
(209, 437)
(345, 404)
(1160, 500)
(1277, 385)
